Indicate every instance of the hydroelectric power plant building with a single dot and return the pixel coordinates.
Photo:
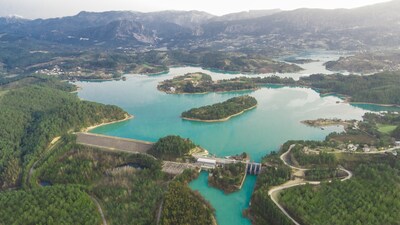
(206, 164)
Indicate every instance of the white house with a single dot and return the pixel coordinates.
(352, 147)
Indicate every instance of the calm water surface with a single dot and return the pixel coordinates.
(257, 132)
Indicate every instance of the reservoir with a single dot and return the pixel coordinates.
(276, 119)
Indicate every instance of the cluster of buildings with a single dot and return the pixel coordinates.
(75, 73)
(355, 147)
(207, 163)
(56, 71)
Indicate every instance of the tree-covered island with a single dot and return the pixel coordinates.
(221, 111)
(379, 88)
(202, 83)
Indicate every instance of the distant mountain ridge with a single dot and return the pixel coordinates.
(376, 25)
(246, 15)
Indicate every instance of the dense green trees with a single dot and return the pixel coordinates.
(396, 133)
(221, 110)
(41, 80)
(31, 116)
(201, 83)
(263, 210)
(86, 165)
(128, 186)
(382, 88)
(131, 196)
(228, 178)
(371, 197)
(48, 205)
(181, 205)
(184, 206)
(318, 174)
(171, 148)
(322, 159)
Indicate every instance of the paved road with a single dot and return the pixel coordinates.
(273, 192)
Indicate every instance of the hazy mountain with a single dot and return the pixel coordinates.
(128, 26)
(372, 25)
(119, 30)
(376, 25)
(246, 15)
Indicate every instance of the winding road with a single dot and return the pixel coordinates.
(51, 146)
(96, 202)
(273, 192)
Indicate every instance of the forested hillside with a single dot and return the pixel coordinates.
(31, 116)
(49, 205)
(381, 88)
(262, 209)
(130, 187)
(371, 197)
(185, 206)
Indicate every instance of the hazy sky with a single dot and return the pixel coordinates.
(58, 8)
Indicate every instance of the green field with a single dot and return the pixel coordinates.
(2, 93)
(386, 128)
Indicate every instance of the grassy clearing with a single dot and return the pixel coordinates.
(355, 138)
(2, 93)
(351, 161)
(383, 128)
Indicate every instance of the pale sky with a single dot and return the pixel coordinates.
(58, 8)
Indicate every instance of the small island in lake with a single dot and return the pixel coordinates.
(328, 122)
(300, 61)
(228, 178)
(193, 83)
(221, 111)
(203, 83)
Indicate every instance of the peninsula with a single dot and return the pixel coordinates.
(328, 122)
(228, 178)
(202, 83)
(221, 111)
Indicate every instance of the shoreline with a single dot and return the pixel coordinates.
(347, 99)
(370, 103)
(88, 129)
(219, 120)
(326, 123)
(78, 88)
(207, 92)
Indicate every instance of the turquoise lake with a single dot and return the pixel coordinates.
(276, 119)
